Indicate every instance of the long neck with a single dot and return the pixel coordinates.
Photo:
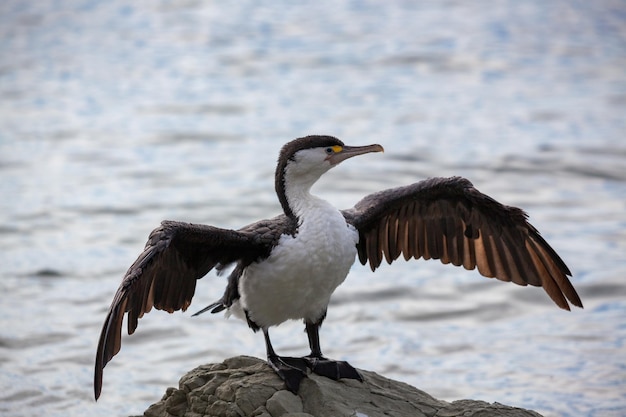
(294, 192)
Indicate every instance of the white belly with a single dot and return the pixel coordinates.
(298, 278)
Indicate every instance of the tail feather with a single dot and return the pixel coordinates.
(215, 307)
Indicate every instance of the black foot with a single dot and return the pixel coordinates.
(290, 370)
(332, 369)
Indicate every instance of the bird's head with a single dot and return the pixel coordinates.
(304, 160)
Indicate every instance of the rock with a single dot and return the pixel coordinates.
(245, 386)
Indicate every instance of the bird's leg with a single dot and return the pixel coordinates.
(324, 366)
(290, 370)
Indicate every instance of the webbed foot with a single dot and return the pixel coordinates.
(291, 370)
(332, 369)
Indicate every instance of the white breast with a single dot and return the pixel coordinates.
(298, 278)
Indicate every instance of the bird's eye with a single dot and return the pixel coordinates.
(330, 151)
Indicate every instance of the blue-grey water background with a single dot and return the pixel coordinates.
(115, 115)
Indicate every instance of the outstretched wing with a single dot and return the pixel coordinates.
(448, 219)
(165, 274)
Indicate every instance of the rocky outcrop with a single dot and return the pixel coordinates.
(245, 386)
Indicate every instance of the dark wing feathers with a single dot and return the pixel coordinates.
(448, 219)
(164, 275)
(440, 218)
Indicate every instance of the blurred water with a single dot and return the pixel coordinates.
(114, 116)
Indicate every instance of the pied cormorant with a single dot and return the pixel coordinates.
(288, 267)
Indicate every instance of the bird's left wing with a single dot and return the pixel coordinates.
(448, 219)
(164, 275)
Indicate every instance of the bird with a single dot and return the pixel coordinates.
(287, 267)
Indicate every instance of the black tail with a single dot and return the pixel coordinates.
(216, 307)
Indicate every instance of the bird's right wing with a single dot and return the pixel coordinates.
(164, 275)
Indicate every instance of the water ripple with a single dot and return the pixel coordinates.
(114, 117)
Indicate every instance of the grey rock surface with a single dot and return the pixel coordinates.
(243, 386)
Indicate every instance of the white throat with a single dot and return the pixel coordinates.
(298, 185)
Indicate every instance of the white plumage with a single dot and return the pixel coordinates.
(298, 278)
